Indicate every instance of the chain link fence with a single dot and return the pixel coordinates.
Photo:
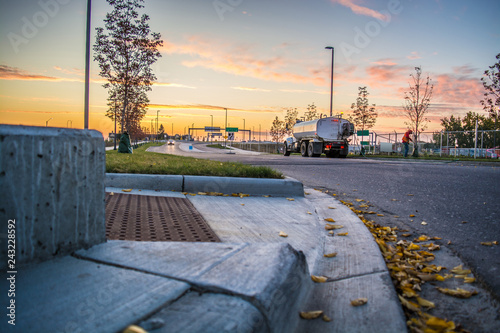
(486, 144)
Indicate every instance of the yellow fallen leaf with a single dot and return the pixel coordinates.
(413, 247)
(469, 279)
(309, 213)
(371, 212)
(127, 190)
(396, 216)
(363, 206)
(330, 255)
(326, 318)
(242, 204)
(489, 243)
(424, 223)
(134, 329)
(202, 193)
(412, 215)
(359, 200)
(409, 305)
(440, 325)
(333, 227)
(311, 314)
(283, 234)
(192, 194)
(380, 214)
(343, 234)
(319, 279)
(307, 193)
(266, 196)
(359, 301)
(408, 292)
(331, 207)
(244, 195)
(460, 293)
(460, 271)
(290, 199)
(329, 219)
(425, 303)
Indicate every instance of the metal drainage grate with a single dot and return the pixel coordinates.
(151, 218)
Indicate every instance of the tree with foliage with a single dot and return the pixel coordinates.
(278, 130)
(290, 120)
(416, 105)
(491, 83)
(463, 130)
(364, 116)
(311, 113)
(125, 53)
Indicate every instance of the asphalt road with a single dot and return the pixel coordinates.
(444, 195)
(459, 201)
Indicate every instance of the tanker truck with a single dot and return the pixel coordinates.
(328, 135)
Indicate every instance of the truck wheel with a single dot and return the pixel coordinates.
(310, 150)
(286, 152)
(303, 148)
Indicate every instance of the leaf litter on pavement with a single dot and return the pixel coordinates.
(410, 266)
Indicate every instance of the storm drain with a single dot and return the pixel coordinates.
(151, 218)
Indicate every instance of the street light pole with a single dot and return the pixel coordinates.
(157, 112)
(243, 129)
(331, 83)
(212, 130)
(87, 67)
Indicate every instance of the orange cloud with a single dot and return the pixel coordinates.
(250, 89)
(241, 60)
(387, 73)
(360, 10)
(13, 73)
(459, 90)
(205, 107)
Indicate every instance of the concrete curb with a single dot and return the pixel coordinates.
(194, 184)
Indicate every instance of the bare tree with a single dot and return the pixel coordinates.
(364, 115)
(416, 105)
(278, 130)
(491, 83)
(290, 120)
(125, 55)
(311, 113)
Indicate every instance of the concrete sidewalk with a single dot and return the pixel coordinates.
(254, 281)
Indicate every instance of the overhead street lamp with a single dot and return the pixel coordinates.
(47, 122)
(157, 112)
(331, 84)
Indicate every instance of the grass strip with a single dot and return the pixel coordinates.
(142, 162)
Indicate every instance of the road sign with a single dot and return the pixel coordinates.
(231, 129)
(363, 133)
(212, 129)
(230, 136)
(216, 134)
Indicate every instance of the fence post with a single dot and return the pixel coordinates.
(441, 143)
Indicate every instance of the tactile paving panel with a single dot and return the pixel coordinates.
(151, 218)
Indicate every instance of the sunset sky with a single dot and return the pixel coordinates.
(254, 57)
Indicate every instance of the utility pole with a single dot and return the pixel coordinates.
(87, 67)
(331, 83)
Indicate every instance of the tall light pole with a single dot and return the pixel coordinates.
(212, 130)
(157, 112)
(87, 67)
(47, 122)
(331, 84)
(243, 129)
(225, 130)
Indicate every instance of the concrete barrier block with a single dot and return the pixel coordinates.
(145, 182)
(52, 182)
(252, 186)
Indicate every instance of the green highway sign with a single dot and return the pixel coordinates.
(231, 129)
(363, 133)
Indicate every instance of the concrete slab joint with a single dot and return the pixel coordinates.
(52, 182)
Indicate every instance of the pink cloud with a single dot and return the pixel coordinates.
(458, 89)
(386, 73)
(414, 55)
(243, 60)
(360, 10)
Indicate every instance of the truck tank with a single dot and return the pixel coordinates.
(326, 129)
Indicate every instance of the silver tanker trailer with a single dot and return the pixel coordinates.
(328, 135)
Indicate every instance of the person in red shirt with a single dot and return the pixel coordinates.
(406, 142)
